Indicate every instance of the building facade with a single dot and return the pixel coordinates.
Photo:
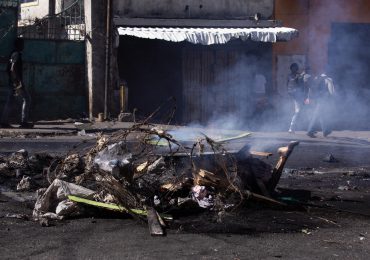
(53, 56)
(213, 80)
(333, 40)
(207, 80)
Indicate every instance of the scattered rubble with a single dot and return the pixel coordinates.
(53, 202)
(25, 184)
(329, 158)
(18, 216)
(145, 171)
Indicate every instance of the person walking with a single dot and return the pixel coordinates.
(296, 89)
(320, 96)
(16, 88)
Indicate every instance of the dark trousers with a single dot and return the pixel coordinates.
(23, 95)
(319, 115)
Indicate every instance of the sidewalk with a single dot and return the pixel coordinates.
(71, 130)
(67, 128)
(351, 148)
(61, 128)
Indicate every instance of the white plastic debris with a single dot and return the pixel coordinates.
(156, 200)
(65, 208)
(201, 196)
(112, 156)
(53, 200)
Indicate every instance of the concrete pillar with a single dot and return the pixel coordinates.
(95, 20)
(51, 7)
(51, 21)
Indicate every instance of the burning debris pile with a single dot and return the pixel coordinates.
(148, 173)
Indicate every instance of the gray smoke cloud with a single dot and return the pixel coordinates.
(239, 106)
(348, 64)
(241, 98)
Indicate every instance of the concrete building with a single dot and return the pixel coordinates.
(53, 56)
(181, 70)
(31, 9)
(207, 80)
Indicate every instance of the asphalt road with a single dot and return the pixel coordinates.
(258, 232)
(351, 148)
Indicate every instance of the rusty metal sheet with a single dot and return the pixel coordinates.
(54, 73)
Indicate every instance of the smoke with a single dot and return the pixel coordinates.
(348, 63)
(239, 96)
(234, 99)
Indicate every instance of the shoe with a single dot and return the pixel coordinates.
(326, 133)
(311, 134)
(290, 131)
(26, 125)
(5, 125)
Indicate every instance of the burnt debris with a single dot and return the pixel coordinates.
(145, 171)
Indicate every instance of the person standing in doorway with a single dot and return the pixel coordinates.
(16, 88)
(296, 89)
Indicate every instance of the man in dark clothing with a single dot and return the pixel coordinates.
(320, 95)
(16, 88)
(296, 89)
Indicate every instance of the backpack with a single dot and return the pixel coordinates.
(327, 85)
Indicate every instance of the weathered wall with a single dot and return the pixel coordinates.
(40, 9)
(30, 11)
(95, 20)
(8, 29)
(216, 9)
(54, 73)
(313, 19)
(334, 37)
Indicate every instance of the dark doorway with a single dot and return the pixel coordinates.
(206, 81)
(152, 69)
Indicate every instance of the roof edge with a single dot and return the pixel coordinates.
(152, 22)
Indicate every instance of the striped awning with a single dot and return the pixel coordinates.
(208, 36)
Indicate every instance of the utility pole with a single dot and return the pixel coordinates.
(51, 22)
(107, 58)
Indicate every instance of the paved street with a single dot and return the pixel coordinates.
(253, 233)
(351, 147)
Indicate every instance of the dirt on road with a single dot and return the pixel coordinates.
(331, 222)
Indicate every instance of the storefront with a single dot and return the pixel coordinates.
(211, 71)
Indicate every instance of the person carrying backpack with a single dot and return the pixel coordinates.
(320, 96)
